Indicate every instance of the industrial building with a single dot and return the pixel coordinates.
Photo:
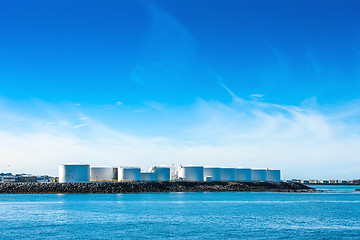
(258, 174)
(148, 176)
(243, 174)
(212, 173)
(162, 173)
(74, 172)
(272, 175)
(129, 174)
(228, 174)
(83, 173)
(103, 174)
(191, 173)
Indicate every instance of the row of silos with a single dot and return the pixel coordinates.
(83, 173)
(156, 173)
(74, 172)
(227, 174)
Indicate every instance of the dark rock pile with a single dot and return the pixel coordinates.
(143, 187)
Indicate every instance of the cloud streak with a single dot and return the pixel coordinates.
(303, 142)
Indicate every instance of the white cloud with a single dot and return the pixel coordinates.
(256, 96)
(232, 94)
(304, 143)
(80, 125)
(117, 104)
(156, 105)
(140, 110)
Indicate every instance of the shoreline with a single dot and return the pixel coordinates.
(150, 187)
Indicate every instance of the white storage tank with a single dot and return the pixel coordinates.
(243, 174)
(101, 174)
(148, 176)
(273, 175)
(258, 174)
(74, 172)
(212, 173)
(228, 174)
(129, 174)
(162, 173)
(191, 173)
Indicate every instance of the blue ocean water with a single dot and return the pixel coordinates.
(333, 214)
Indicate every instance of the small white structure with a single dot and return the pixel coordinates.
(148, 176)
(101, 174)
(129, 174)
(228, 174)
(243, 174)
(74, 172)
(162, 173)
(173, 174)
(191, 173)
(273, 175)
(258, 174)
(212, 173)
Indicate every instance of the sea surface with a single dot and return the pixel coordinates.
(332, 214)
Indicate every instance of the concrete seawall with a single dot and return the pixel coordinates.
(147, 187)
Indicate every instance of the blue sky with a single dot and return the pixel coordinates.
(251, 83)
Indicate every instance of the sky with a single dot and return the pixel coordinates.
(251, 83)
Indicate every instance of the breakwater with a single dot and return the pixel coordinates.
(147, 187)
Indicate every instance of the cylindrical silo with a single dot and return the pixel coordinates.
(258, 174)
(148, 176)
(273, 175)
(191, 173)
(101, 174)
(243, 174)
(212, 173)
(162, 173)
(129, 174)
(74, 172)
(228, 174)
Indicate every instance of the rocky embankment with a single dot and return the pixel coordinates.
(144, 187)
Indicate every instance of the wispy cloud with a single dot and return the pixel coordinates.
(303, 142)
(115, 105)
(232, 94)
(140, 110)
(80, 125)
(168, 51)
(156, 105)
(256, 96)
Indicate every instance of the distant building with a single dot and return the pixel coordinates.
(25, 178)
(7, 177)
(356, 181)
(45, 178)
(314, 181)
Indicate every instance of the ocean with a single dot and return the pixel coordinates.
(332, 214)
